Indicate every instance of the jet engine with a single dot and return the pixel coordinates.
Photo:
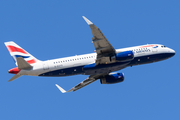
(112, 78)
(123, 56)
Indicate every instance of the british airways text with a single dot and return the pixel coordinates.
(141, 50)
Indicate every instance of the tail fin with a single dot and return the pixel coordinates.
(16, 51)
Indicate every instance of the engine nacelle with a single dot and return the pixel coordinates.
(123, 56)
(112, 78)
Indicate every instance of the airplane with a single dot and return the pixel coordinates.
(99, 65)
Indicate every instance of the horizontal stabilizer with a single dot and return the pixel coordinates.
(22, 64)
(15, 77)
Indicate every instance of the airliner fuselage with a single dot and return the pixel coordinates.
(85, 64)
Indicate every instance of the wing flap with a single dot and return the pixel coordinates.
(83, 84)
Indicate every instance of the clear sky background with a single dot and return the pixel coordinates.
(55, 29)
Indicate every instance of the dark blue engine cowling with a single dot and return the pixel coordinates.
(123, 56)
(112, 78)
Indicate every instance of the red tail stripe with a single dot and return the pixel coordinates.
(15, 49)
(31, 61)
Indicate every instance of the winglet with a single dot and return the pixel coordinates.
(88, 21)
(60, 88)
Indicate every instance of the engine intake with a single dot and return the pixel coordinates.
(123, 56)
(112, 78)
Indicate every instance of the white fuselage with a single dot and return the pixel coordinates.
(74, 65)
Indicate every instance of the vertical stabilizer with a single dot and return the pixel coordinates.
(16, 51)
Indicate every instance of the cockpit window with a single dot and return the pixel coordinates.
(163, 46)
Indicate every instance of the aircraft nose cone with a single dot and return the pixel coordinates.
(172, 52)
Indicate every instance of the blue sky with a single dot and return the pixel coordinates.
(54, 29)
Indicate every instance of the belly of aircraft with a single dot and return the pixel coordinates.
(79, 70)
(105, 68)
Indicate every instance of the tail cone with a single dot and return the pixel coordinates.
(14, 70)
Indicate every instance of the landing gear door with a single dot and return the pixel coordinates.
(45, 65)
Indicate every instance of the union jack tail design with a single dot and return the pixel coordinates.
(16, 51)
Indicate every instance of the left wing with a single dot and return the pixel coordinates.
(103, 47)
(89, 80)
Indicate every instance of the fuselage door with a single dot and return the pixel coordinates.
(154, 49)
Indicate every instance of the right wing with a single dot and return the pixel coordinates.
(89, 80)
(103, 47)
